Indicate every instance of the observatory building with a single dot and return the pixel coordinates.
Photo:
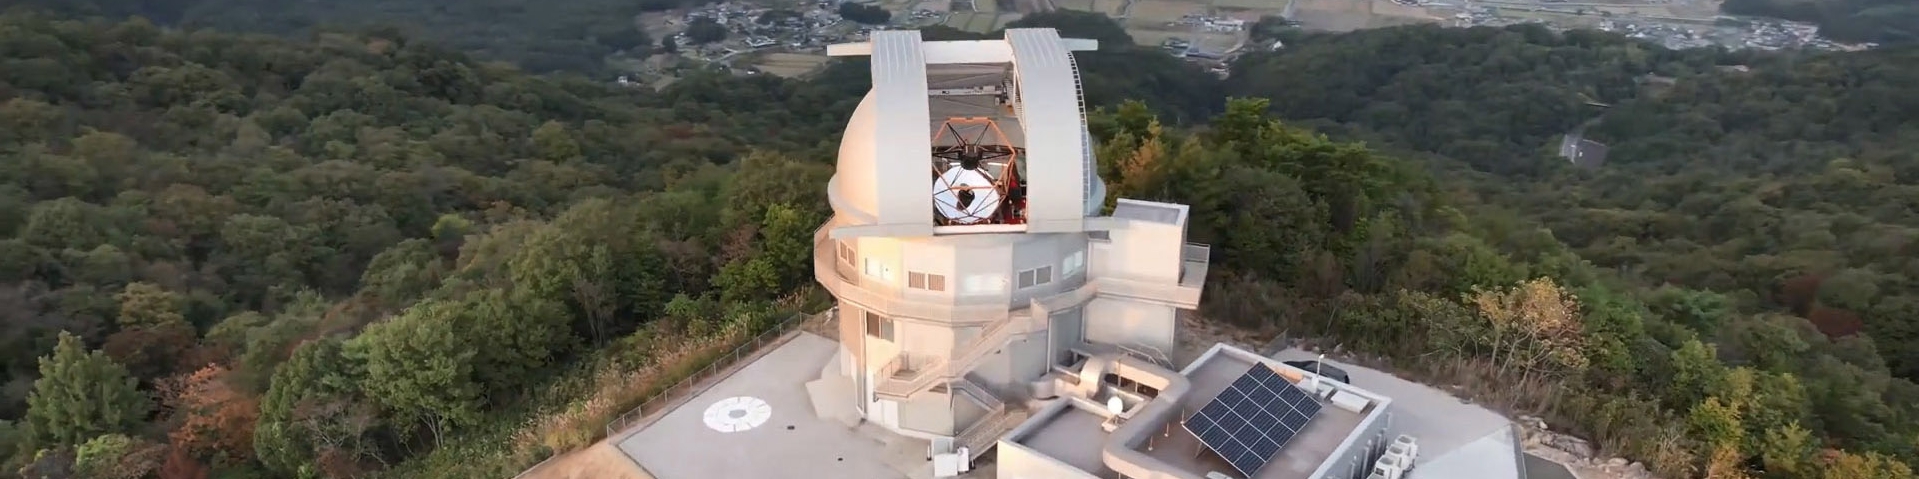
(994, 310)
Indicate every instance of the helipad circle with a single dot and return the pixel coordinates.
(738, 413)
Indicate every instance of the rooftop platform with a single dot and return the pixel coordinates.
(1073, 436)
(1298, 459)
(680, 445)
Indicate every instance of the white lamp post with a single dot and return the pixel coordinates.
(1316, 367)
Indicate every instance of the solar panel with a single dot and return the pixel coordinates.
(1255, 416)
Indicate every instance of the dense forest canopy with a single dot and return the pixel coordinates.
(225, 255)
(1749, 194)
(574, 35)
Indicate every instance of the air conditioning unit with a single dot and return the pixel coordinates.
(1386, 472)
(1404, 446)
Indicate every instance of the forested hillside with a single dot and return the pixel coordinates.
(574, 35)
(367, 256)
(235, 252)
(1761, 204)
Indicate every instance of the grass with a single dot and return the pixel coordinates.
(1156, 13)
(571, 412)
(1276, 6)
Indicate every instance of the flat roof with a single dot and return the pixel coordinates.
(1440, 421)
(680, 445)
(1298, 459)
(1162, 213)
(1072, 436)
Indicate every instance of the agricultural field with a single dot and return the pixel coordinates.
(790, 64)
(1157, 13)
(1333, 15)
(1111, 8)
(1262, 7)
(977, 22)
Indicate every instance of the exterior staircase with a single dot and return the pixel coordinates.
(985, 432)
(905, 376)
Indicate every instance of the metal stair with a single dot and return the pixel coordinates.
(986, 432)
(905, 376)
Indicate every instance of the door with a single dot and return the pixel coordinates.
(882, 411)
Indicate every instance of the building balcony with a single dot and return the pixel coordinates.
(1182, 293)
(847, 284)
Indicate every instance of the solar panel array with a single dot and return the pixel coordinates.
(1254, 417)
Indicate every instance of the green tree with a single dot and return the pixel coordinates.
(81, 395)
(145, 304)
(316, 409)
(420, 366)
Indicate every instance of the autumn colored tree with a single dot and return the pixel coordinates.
(1534, 328)
(180, 464)
(212, 418)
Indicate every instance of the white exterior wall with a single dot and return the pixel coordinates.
(880, 194)
(1118, 321)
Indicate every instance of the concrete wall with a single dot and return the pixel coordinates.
(1140, 250)
(928, 412)
(926, 338)
(1118, 321)
(1008, 370)
(1068, 329)
(1355, 457)
(1027, 358)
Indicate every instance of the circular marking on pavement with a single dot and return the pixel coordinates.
(738, 413)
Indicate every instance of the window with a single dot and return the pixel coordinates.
(1035, 277)
(846, 253)
(984, 284)
(877, 326)
(929, 282)
(879, 269)
(1074, 264)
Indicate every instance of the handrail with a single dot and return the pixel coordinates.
(975, 438)
(979, 393)
(689, 386)
(922, 378)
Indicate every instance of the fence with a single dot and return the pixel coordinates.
(691, 384)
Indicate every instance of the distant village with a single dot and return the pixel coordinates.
(807, 30)
(1725, 31)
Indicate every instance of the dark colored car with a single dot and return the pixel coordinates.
(1327, 370)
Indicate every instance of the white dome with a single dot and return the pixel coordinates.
(852, 190)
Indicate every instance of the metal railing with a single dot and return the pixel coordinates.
(988, 430)
(692, 385)
(924, 372)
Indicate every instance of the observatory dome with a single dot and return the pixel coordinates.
(854, 191)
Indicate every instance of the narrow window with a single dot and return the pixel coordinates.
(880, 327)
(846, 253)
(1035, 277)
(1074, 264)
(929, 282)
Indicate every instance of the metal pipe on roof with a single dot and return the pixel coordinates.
(1120, 452)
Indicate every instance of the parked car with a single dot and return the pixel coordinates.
(1326, 370)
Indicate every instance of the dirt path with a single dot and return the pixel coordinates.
(602, 461)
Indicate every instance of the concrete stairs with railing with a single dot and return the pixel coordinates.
(907, 375)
